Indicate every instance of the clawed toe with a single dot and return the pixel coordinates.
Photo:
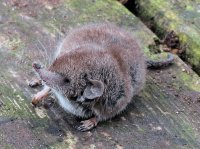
(41, 95)
(35, 82)
(87, 125)
(36, 99)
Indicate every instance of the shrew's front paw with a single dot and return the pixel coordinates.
(37, 98)
(41, 95)
(87, 124)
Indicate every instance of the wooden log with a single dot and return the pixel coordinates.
(179, 16)
(163, 115)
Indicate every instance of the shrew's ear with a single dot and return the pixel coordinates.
(94, 89)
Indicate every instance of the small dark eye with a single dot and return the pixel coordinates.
(81, 93)
(66, 80)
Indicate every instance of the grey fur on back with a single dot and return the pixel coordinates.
(104, 53)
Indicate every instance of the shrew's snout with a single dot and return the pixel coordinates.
(36, 66)
(49, 77)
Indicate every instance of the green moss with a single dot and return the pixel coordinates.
(189, 8)
(15, 103)
(183, 38)
(69, 142)
(162, 108)
(96, 11)
(136, 142)
(192, 82)
(14, 44)
(141, 130)
(169, 16)
(158, 57)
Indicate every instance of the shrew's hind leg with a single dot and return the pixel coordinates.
(41, 95)
(87, 124)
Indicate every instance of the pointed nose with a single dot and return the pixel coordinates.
(46, 75)
(36, 66)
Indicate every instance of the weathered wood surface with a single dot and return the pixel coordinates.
(181, 16)
(164, 115)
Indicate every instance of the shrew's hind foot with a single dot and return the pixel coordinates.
(87, 124)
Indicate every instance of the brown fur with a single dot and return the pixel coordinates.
(103, 54)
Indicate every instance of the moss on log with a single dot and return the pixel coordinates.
(181, 16)
(163, 115)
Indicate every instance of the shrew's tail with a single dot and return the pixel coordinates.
(160, 63)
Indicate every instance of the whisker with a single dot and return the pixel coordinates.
(45, 51)
(50, 49)
(42, 54)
